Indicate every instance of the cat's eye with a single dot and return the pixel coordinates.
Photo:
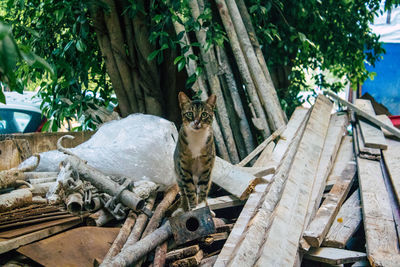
(204, 115)
(189, 115)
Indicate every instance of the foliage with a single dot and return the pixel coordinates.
(318, 35)
(59, 31)
(12, 55)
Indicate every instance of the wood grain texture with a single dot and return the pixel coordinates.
(254, 199)
(380, 232)
(320, 225)
(346, 223)
(391, 157)
(365, 152)
(371, 134)
(265, 155)
(335, 256)
(385, 120)
(282, 239)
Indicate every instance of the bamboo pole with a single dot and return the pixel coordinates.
(243, 67)
(237, 107)
(276, 116)
(209, 57)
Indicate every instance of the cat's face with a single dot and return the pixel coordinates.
(196, 114)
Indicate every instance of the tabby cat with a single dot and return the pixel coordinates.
(195, 151)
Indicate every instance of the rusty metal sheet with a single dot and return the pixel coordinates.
(77, 247)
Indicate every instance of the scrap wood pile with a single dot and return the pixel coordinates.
(317, 195)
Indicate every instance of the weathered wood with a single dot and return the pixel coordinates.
(255, 199)
(391, 157)
(346, 223)
(123, 235)
(385, 120)
(233, 179)
(365, 152)
(14, 243)
(372, 134)
(265, 87)
(320, 225)
(259, 118)
(365, 115)
(160, 254)
(182, 253)
(261, 146)
(208, 262)
(190, 261)
(380, 232)
(15, 199)
(335, 256)
(289, 216)
(265, 155)
(337, 127)
(224, 202)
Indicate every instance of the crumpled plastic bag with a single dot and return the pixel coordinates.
(139, 147)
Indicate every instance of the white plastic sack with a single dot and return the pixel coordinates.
(139, 147)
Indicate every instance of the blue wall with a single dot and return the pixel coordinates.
(385, 87)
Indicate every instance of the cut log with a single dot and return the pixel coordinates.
(335, 256)
(255, 198)
(391, 157)
(346, 223)
(190, 261)
(182, 253)
(372, 134)
(380, 232)
(320, 225)
(365, 115)
(290, 214)
(15, 199)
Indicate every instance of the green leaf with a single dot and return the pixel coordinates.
(153, 55)
(68, 45)
(181, 65)
(2, 97)
(177, 59)
(164, 46)
(80, 46)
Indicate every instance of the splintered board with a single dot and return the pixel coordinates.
(346, 223)
(372, 134)
(335, 256)
(380, 232)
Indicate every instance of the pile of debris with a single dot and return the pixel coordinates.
(299, 204)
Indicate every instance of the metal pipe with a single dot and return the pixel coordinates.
(74, 203)
(42, 180)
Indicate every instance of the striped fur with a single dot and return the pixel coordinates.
(195, 151)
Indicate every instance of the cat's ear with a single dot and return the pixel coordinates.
(183, 99)
(211, 100)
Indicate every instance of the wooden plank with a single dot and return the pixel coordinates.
(335, 256)
(290, 214)
(189, 261)
(224, 202)
(253, 202)
(337, 127)
(320, 225)
(365, 152)
(380, 232)
(372, 134)
(391, 157)
(365, 115)
(385, 120)
(265, 156)
(14, 243)
(346, 223)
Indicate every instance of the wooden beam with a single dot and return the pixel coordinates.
(261, 146)
(224, 202)
(182, 253)
(290, 214)
(190, 261)
(380, 232)
(363, 151)
(372, 134)
(386, 120)
(254, 201)
(335, 256)
(265, 155)
(320, 225)
(391, 157)
(365, 115)
(346, 223)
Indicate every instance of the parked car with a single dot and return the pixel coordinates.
(21, 113)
